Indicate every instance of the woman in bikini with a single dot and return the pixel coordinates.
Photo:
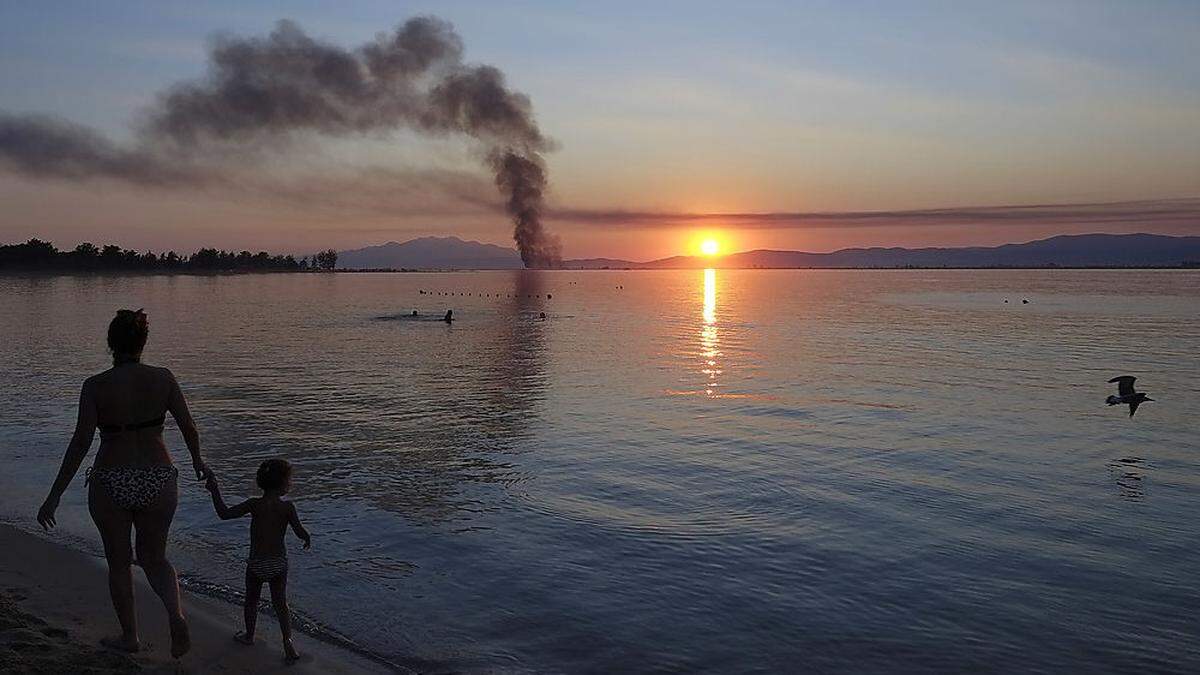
(132, 484)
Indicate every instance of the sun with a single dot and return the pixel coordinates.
(710, 247)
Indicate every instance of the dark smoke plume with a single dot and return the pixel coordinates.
(260, 93)
(523, 179)
(43, 147)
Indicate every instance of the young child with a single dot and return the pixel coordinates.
(270, 516)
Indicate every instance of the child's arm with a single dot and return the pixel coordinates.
(298, 527)
(225, 512)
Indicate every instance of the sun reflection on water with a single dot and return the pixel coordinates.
(709, 344)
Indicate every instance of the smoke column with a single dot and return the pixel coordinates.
(260, 93)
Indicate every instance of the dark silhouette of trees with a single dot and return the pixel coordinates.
(37, 255)
(326, 260)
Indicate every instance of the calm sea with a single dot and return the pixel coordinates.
(711, 471)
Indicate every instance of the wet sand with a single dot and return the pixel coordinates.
(54, 608)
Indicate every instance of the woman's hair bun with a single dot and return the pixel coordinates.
(127, 334)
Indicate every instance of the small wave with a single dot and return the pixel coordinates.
(410, 317)
(868, 404)
(680, 526)
(710, 393)
(775, 411)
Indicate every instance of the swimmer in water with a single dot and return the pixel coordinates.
(414, 313)
(449, 316)
(542, 315)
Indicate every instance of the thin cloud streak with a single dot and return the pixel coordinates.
(1185, 210)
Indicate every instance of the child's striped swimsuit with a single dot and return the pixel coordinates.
(267, 568)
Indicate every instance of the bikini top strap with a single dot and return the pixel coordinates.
(118, 428)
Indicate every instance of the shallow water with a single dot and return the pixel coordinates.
(721, 471)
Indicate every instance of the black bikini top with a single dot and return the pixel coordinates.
(118, 428)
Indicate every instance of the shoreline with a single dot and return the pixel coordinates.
(54, 608)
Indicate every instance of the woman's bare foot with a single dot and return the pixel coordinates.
(244, 638)
(290, 655)
(181, 637)
(123, 643)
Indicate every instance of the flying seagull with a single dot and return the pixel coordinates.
(1126, 394)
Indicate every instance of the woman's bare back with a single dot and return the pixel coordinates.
(130, 401)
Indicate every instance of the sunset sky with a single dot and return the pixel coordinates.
(660, 110)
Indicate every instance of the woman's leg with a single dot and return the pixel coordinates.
(114, 524)
(279, 602)
(153, 523)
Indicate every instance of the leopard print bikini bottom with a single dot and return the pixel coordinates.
(132, 488)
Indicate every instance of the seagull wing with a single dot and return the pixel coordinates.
(1124, 384)
(1133, 407)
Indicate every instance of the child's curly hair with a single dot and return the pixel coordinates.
(273, 474)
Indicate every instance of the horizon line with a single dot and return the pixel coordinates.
(723, 256)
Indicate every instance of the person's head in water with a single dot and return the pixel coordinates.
(127, 334)
(414, 312)
(449, 316)
(275, 475)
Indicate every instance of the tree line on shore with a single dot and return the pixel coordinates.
(38, 255)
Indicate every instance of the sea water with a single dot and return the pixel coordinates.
(710, 471)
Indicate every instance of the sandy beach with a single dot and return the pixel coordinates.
(54, 608)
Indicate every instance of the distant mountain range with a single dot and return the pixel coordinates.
(1085, 250)
(431, 253)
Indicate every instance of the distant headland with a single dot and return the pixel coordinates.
(36, 255)
(451, 253)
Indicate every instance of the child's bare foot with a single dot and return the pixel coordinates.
(290, 655)
(181, 637)
(123, 643)
(244, 638)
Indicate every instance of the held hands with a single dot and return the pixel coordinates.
(45, 516)
(210, 481)
(201, 469)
